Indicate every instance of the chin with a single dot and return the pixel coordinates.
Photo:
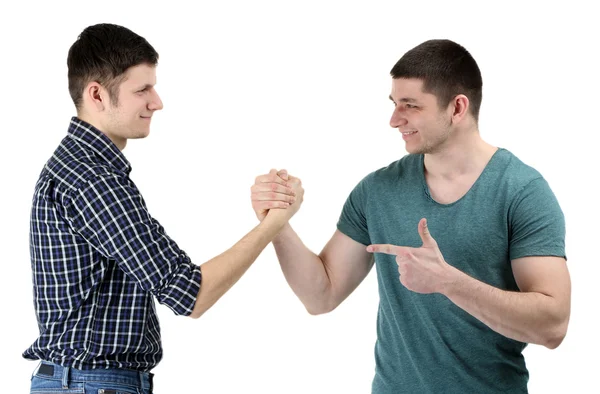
(138, 136)
(414, 150)
(142, 133)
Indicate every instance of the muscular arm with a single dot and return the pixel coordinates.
(539, 313)
(322, 281)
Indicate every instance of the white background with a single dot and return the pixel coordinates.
(249, 86)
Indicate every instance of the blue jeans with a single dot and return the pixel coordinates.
(52, 378)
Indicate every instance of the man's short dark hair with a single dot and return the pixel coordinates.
(446, 69)
(103, 53)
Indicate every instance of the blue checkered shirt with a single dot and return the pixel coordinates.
(99, 259)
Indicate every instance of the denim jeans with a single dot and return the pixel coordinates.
(52, 378)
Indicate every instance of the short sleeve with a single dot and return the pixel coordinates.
(537, 223)
(353, 219)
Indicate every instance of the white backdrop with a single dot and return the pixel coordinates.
(248, 86)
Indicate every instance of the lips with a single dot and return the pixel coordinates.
(409, 132)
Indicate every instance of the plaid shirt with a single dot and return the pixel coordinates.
(98, 258)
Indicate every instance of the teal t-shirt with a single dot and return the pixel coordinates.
(425, 343)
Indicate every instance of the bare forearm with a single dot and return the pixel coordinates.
(303, 270)
(223, 271)
(524, 316)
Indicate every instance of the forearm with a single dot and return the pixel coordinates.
(304, 271)
(524, 316)
(223, 271)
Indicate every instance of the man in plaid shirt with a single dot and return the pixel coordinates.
(97, 255)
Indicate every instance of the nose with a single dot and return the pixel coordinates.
(397, 118)
(155, 103)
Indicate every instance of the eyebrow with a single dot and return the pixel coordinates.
(404, 99)
(146, 86)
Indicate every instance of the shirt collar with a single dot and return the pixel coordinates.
(98, 142)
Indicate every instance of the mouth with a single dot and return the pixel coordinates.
(408, 134)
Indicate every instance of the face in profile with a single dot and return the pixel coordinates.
(131, 115)
(424, 126)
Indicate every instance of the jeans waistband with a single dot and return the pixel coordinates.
(53, 371)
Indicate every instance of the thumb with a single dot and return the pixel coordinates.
(426, 237)
(283, 174)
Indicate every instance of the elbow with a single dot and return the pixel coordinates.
(320, 308)
(314, 311)
(555, 339)
(553, 343)
(321, 302)
(556, 335)
(196, 314)
(199, 309)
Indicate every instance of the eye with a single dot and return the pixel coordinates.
(410, 106)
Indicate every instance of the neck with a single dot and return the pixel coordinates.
(119, 142)
(466, 153)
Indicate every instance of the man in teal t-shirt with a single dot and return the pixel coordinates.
(468, 242)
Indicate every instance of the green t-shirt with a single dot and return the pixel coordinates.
(425, 343)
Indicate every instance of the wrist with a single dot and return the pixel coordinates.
(275, 222)
(281, 235)
(452, 282)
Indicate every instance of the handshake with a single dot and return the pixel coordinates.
(276, 194)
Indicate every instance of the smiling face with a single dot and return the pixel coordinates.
(127, 112)
(130, 116)
(425, 127)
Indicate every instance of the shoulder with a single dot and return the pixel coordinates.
(517, 167)
(72, 168)
(403, 169)
(515, 174)
(526, 187)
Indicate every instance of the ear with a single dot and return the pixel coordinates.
(460, 108)
(96, 97)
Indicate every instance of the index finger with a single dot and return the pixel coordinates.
(386, 248)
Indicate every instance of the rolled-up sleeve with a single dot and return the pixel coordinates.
(110, 213)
